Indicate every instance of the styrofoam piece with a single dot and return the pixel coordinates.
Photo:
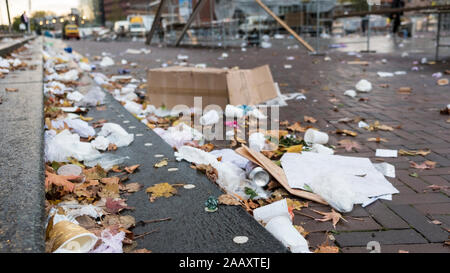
(315, 137)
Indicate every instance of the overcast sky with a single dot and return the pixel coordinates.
(17, 7)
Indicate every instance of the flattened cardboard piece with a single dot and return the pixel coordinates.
(172, 86)
(277, 173)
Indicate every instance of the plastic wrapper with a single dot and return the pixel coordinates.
(281, 228)
(85, 67)
(111, 243)
(229, 155)
(363, 86)
(79, 126)
(59, 147)
(106, 61)
(179, 135)
(210, 118)
(93, 98)
(100, 143)
(133, 107)
(232, 111)
(116, 134)
(106, 161)
(75, 96)
(257, 141)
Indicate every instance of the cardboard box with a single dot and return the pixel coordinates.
(172, 86)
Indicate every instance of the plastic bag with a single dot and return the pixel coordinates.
(179, 135)
(210, 118)
(363, 86)
(59, 147)
(93, 98)
(75, 96)
(100, 143)
(79, 126)
(116, 134)
(110, 243)
(257, 141)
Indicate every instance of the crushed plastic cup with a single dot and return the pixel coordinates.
(363, 86)
(268, 212)
(257, 141)
(70, 169)
(210, 118)
(281, 228)
(315, 137)
(68, 237)
(320, 149)
(350, 93)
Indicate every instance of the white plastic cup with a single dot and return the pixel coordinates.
(320, 149)
(316, 137)
(281, 228)
(266, 213)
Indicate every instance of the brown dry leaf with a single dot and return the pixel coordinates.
(309, 119)
(110, 191)
(403, 251)
(123, 221)
(442, 82)
(404, 90)
(11, 89)
(413, 152)
(209, 170)
(349, 144)
(207, 147)
(296, 204)
(227, 199)
(94, 173)
(59, 180)
(284, 123)
(110, 180)
(141, 250)
(427, 165)
(296, 127)
(346, 132)
(378, 126)
(131, 169)
(330, 216)
(436, 222)
(132, 187)
(377, 139)
(438, 188)
(115, 205)
(325, 248)
(161, 190)
(112, 147)
(301, 230)
(162, 163)
(384, 85)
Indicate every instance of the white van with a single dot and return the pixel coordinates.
(121, 27)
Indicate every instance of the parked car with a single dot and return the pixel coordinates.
(71, 31)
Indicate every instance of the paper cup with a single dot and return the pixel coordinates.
(67, 237)
(316, 137)
(320, 149)
(281, 228)
(266, 213)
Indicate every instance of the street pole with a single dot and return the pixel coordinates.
(29, 16)
(9, 17)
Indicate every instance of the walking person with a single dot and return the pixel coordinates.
(396, 17)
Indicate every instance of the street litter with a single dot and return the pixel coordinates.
(363, 86)
(342, 181)
(106, 61)
(94, 97)
(179, 135)
(115, 134)
(386, 153)
(179, 85)
(59, 147)
(350, 93)
(386, 169)
(277, 220)
(315, 137)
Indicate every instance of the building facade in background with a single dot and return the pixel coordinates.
(93, 10)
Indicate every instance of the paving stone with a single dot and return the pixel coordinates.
(386, 217)
(389, 237)
(439, 208)
(412, 248)
(419, 198)
(422, 224)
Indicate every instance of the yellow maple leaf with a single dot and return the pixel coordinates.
(161, 190)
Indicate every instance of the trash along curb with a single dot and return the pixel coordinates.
(9, 48)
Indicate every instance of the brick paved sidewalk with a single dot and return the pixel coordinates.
(401, 224)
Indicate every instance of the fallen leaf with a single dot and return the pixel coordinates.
(326, 249)
(207, 147)
(346, 132)
(436, 222)
(131, 169)
(377, 139)
(227, 199)
(11, 89)
(438, 188)
(293, 149)
(123, 221)
(142, 250)
(301, 230)
(114, 206)
(112, 147)
(377, 126)
(284, 123)
(162, 163)
(296, 127)
(404, 90)
(110, 180)
(414, 153)
(427, 165)
(442, 82)
(349, 144)
(330, 216)
(60, 181)
(296, 204)
(161, 190)
(209, 170)
(132, 187)
(87, 119)
(310, 119)
(94, 173)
